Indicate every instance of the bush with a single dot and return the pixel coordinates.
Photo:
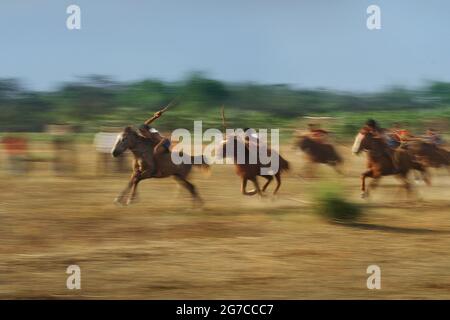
(331, 205)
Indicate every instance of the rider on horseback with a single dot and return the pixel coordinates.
(161, 143)
(373, 127)
(401, 136)
(432, 136)
(316, 133)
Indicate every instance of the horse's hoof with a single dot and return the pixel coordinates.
(118, 201)
(131, 201)
(363, 195)
(198, 203)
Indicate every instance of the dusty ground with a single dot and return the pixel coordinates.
(235, 247)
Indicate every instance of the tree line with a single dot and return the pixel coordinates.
(94, 101)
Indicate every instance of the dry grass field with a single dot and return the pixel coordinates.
(235, 247)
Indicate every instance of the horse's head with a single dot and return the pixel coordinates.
(365, 140)
(125, 140)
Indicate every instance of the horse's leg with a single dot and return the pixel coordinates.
(310, 168)
(244, 187)
(424, 172)
(191, 188)
(146, 174)
(278, 178)
(368, 173)
(257, 188)
(417, 176)
(132, 195)
(406, 184)
(269, 180)
(125, 191)
(426, 176)
(374, 183)
(337, 168)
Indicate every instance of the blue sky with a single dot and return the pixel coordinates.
(310, 44)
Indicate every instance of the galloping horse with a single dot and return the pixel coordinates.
(429, 154)
(384, 161)
(319, 152)
(142, 150)
(249, 171)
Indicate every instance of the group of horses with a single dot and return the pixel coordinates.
(382, 160)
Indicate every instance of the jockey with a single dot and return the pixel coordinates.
(431, 136)
(317, 134)
(161, 143)
(401, 136)
(373, 126)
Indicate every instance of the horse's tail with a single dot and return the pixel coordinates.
(284, 164)
(200, 161)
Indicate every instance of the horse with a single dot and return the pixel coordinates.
(318, 152)
(429, 154)
(385, 161)
(250, 171)
(142, 150)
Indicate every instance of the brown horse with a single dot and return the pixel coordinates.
(142, 150)
(250, 171)
(429, 154)
(318, 152)
(384, 161)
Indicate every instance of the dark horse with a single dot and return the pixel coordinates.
(250, 171)
(384, 161)
(142, 150)
(429, 154)
(318, 152)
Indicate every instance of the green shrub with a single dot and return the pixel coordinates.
(332, 205)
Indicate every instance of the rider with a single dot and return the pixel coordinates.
(373, 126)
(433, 137)
(161, 143)
(316, 133)
(402, 136)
